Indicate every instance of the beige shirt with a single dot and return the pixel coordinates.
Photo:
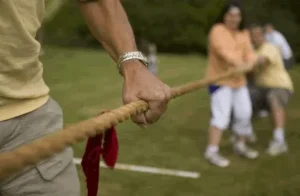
(227, 49)
(22, 88)
(273, 75)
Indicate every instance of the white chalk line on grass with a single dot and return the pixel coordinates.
(152, 170)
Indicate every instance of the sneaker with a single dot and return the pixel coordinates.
(217, 159)
(276, 148)
(245, 151)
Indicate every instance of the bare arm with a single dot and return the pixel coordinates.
(109, 24)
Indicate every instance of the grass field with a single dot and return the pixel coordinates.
(85, 82)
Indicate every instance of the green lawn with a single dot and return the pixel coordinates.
(85, 82)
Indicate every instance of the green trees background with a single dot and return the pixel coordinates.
(178, 26)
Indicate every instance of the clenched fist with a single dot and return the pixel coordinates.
(141, 84)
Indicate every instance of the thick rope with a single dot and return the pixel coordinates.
(43, 148)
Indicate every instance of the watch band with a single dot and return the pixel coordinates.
(131, 56)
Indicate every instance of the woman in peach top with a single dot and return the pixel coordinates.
(229, 48)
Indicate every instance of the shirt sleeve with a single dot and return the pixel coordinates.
(218, 40)
(280, 39)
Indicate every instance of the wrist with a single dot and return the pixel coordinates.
(131, 61)
(131, 67)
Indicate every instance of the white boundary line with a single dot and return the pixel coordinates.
(152, 170)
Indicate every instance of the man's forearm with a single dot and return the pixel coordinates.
(109, 24)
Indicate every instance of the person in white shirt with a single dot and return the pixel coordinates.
(275, 37)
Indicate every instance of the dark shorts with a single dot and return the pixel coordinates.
(281, 95)
(261, 97)
(289, 63)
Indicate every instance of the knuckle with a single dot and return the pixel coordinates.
(159, 96)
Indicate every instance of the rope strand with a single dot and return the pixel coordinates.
(45, 147)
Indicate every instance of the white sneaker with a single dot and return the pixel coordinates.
(276, 148)
(245, 151)
(217, 159)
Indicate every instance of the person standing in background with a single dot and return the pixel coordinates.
(229, 48)
(275, 37)
(274, 81)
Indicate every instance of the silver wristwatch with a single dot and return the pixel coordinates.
(131, 56)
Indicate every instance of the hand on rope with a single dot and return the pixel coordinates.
(157, 94)
(43, 148)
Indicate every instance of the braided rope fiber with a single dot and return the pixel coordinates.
(45, 147)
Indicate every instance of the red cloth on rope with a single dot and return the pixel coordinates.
(91, 158)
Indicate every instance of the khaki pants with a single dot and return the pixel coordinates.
(281, 95)
(56, 176)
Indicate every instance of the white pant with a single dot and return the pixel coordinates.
(225, 100)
